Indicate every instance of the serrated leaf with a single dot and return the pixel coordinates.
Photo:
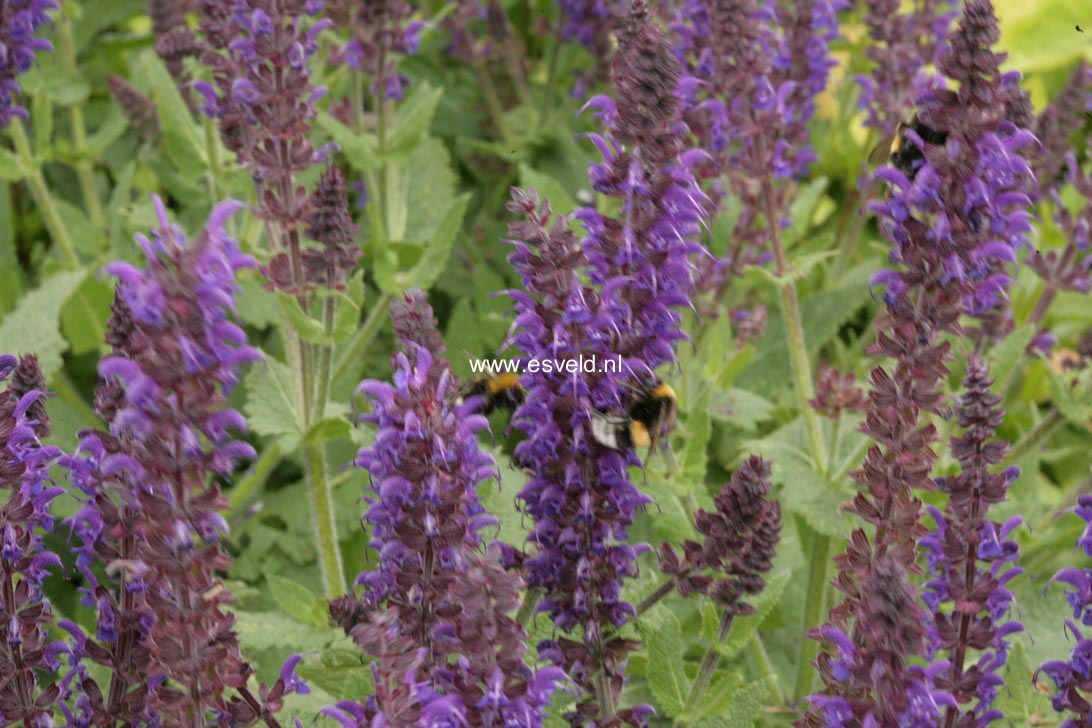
(743, 628)
(328, 428)
(309, 328)
(717, 699)
(56, 83)
(34, 326)
(270, 403)
(803, 491)
(414, 117)
(394, 279)
(746, 708)
(361, 150)
(84, 315)
(182, 140)
(257, 306)
(298, 601)
(1009, 353)
(84, 236)
(1018, 698)
(743, 408)
(662, 637)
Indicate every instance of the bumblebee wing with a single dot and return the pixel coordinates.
(882, 151)
(606, 430)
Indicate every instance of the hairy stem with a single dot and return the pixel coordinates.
(51, 216)
(1035, 436)
(356, 346)
(814, 607)
(85, 171)
(253, 479)
(762, 662)
(708, 664)
(660, 592)
(322, 510)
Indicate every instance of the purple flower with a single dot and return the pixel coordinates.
(1073, 677)
(151, 507)
(971, 561)
(903, 43)
(381, 32)
(28, 657)
(425, 515)
(1060, 120)
(757, 68)
(739, 544)
(20, 20)
(967, 209)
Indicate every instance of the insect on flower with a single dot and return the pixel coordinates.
(650, 413)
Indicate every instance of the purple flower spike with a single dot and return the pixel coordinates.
(151, 506)
(434, 609)
(380, 32)
(20, 20)
(971, 561)
(1073, 677)
(28, 657)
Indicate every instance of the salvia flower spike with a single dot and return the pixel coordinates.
(152, 509)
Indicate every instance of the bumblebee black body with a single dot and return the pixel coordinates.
(498, 391)
(650, 411)
(902, 152)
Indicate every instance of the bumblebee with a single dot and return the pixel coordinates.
(650, 413)
(497, 391)
(902, 152)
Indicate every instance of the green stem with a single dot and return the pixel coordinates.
(1035, 436)
(213, 151)
(325, 358)
(253, 479)
(85, 171)
(357, 345)
(527, 609)
(762, 661)
(835, 440)
(551, 68)
(322, 510)
(51, 217)
(801, 371)
(660, 592)
(492, 103)
(708, 666)
(814, 606)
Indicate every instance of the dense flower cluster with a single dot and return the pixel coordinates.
(140, 109)
(27, 653)
(433, 595)
(264, 99)
(1073, 677)
(739, 544)
(19, 23)
(381, 32)
(1060, 120)
(759, 67)
(961, 214)
(903, 44)
(151, 507)
(971, 562)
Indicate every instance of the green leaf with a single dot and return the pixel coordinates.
(328, 428)
(85, 237)
(298, 601)
(1019, 700)
(747, 703)
(182, 139)
(361, 150)
(340, 672)
(803, 490)
(717, 699)
(1009, 353)
(744, 409)
(11, 167)
(561, 201)
(266, 630)
(84, 315)
(394, 278)
(309, 329)
(662, 636)
(1042, 35)
(743, 628)
(347, 313)
(414, 116)
(34, 326)
(257, 306)
(270, 403)
(56, 83)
